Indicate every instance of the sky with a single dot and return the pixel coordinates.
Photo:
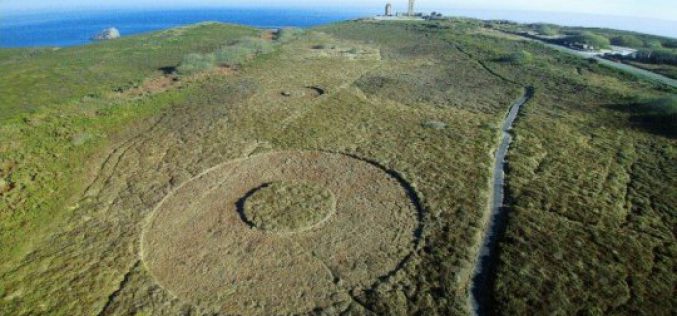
(658, 9)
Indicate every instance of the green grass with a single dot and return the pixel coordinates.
(34, 78)
(288, 207)
(57, 139)
(521, 57)
(194, 62)
(627, 41)
(287, 34)
(669, 71)
(590, 38)
(591, 189)
(257, 45)
(662, 106)
(48, 153)
(234, 54)
(547, 29)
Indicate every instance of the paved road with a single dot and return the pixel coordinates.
(623, 67)
(480, 288)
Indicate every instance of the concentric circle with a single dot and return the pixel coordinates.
(199, 245)
(287, 207)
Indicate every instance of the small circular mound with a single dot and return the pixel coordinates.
(288, 207)
(199, 245)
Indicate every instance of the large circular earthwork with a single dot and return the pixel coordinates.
(202, 245)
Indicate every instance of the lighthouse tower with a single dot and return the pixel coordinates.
(389, 9)
(410, 10)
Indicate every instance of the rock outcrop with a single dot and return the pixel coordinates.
(107, 34)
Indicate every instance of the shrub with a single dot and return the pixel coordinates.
(627, 40)
(518, 58)
(546, 29)
(233, 55)
(596, 40)
(653, 43)
(669, 43)
(657, 56)
(434, 124)
(192, 63)
(257, 45)
(288, 34)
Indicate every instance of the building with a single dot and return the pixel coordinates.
(389, 9)
(409, 15)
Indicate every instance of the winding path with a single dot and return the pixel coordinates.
(482, 276)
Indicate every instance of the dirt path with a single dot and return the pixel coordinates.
(482, 276)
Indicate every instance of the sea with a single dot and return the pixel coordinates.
(69, 28)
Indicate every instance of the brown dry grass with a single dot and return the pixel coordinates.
(90, 264)
(287, 207)
(162, 83)
(199, 248)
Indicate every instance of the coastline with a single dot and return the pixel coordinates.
(59, 28)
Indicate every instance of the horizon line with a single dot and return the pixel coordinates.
(355, 9)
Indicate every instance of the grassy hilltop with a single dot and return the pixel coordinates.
(111, 152)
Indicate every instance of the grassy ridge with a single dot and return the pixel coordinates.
(33, 78)
(591, 190)
(582, 212)
(48, 146)
(423, 78)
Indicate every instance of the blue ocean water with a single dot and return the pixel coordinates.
(70, 28)
(76, 28)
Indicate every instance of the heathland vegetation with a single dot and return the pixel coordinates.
(160, 174)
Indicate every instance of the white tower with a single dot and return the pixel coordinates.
(410, 10)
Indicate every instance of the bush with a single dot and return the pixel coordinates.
(669, 43)
(653, 43)
(434, 124)
(233, 55)
(257, 45)
(627, 41)
(192, 63)
(657, 56)
(288, 34)
(518, 58)
(546, 29)
(596, 40)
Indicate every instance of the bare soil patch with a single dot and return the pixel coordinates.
(309, 92)
(268, 35)
(170, 80)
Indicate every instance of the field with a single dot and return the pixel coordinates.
(343, 169)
